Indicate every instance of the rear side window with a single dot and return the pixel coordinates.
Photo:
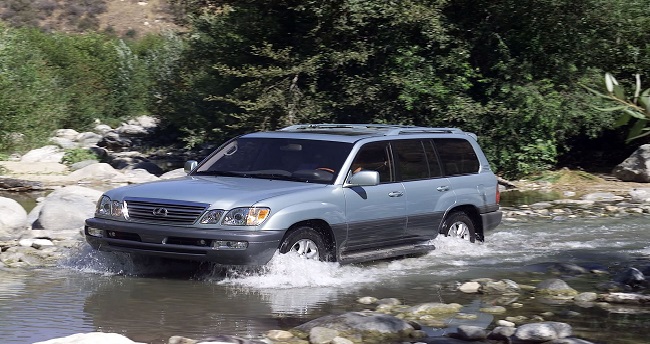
(457, 156)
(416, 159)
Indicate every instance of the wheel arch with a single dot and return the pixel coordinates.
(322, 228)
(473, 214)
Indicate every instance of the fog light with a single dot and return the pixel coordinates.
(96, 232)
(229, 245)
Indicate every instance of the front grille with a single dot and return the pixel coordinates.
(162, 211)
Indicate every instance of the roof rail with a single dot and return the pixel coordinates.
(387, 129)
(418, 130)
(342, 126)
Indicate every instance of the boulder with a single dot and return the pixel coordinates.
(636, 168)
(67, 208)
(92, 337)
(555, 287)
(13, 218)
(49, 153)
(543, 331)
(96, 172)
(370, 326)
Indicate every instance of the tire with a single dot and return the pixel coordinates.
(307, 243)
(459, 225)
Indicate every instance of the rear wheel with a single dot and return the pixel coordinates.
(307, 243)
(459, 225)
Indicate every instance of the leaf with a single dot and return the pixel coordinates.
(637, 129)
(610, 82)
(635, 114)
(598, 93)
(616, 108)
(624, 119)
(619, 92)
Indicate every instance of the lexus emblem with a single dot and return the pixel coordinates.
(160, 212)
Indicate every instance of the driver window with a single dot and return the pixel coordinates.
(374, 157)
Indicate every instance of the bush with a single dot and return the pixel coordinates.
(73, 156)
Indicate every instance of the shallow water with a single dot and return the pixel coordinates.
(151, 300)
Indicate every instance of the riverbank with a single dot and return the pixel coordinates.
(565, 201)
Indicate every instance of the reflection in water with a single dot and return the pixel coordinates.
(149, 300)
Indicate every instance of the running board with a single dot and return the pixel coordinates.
(384, 253)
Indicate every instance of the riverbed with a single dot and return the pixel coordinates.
(151, 300)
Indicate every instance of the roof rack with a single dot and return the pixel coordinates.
(385, 129)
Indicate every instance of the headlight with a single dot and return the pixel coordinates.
(211, 216)
(246, 216)
(107, 207)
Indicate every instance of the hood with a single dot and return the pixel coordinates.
(219, 192)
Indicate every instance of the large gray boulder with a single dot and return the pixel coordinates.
(636, 168)
(371, 327)
(50, 153)
(92, 337)
(13, 218)
(66, 208)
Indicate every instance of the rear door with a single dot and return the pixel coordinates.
(376, 214)
(428, 193)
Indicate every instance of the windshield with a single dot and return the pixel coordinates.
(278, 158)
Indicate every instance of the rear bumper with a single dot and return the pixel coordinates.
(491, 220)
(184, 243)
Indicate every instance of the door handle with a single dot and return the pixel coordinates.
(395, 194)
(443, 188)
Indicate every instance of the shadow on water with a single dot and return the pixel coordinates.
(512, 198)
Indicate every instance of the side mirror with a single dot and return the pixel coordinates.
(190, 165)
(363, 178)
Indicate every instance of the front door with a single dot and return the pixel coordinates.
(376, 214)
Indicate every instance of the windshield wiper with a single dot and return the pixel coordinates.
(219, 173)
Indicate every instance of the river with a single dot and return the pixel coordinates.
(150, 301)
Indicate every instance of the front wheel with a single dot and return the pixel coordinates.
(307, 243)
(459, 225)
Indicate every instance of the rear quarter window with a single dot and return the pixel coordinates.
(457, 156)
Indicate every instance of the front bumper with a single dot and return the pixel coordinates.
(186, 243)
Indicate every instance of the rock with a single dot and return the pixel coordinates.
(92, 337)
(543, 331)
(322, 335)
(81, 164)
(555, 287)
(13, 218)
(279, 335)
(493, 309)
(586, 297)
(632, 278)
(367, 300)
(134, 177)
(378, 327)
(88, 139)
(640, 195)
(502, 333)
(11, 184)
(471, 287)
(504, 286)
(635, 168)
(626, 298)
(96, 172)
(471, 333)
(44, 154)
(55, 212)
(602, 197)
(568, 268)
(63, 142)
(69, 134)
(434, 308)
(177, 173)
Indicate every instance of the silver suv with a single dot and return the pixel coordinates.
(345, 193)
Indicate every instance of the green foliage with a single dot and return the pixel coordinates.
(76, 155)
(634, 109)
